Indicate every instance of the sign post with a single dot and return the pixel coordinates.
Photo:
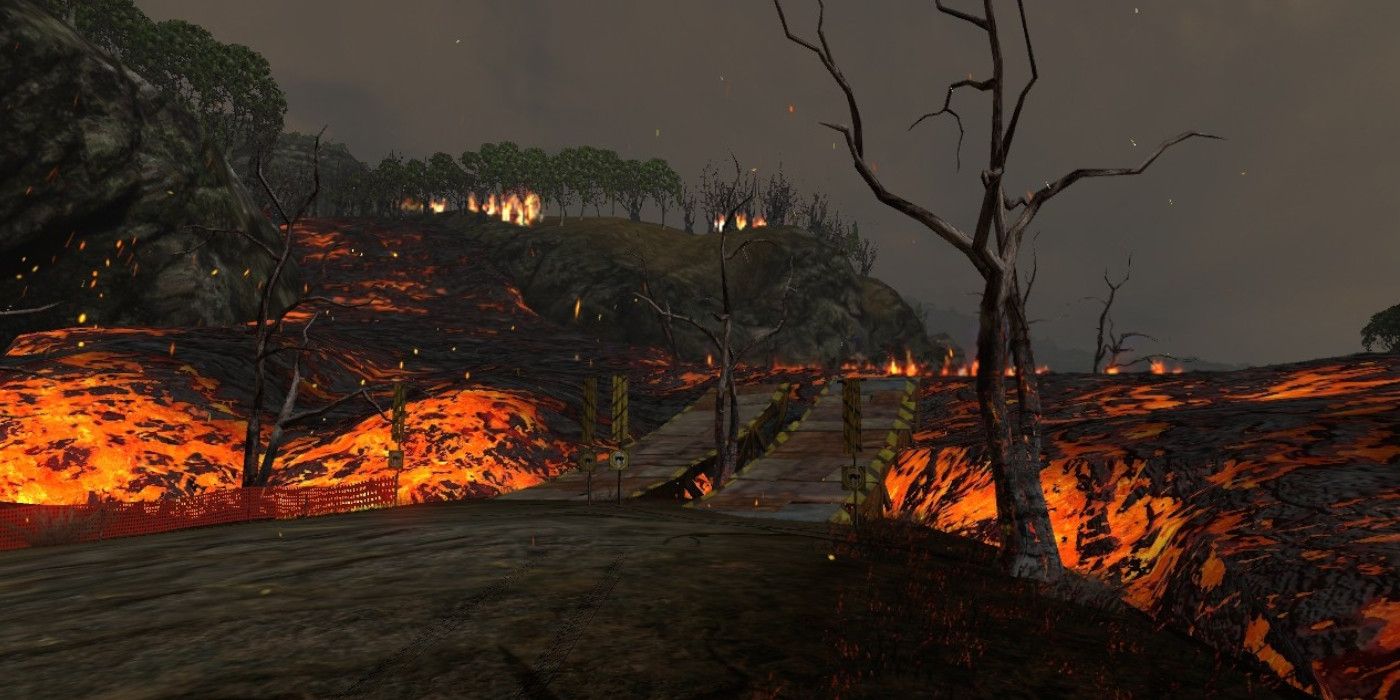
(397, 432)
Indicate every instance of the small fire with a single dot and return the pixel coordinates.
(709, 360)
(438, 206)
(1112, 369)
(759, 221)
(719, 222)
(410, 204)
(1159, 367)
(741, 221)
(512, 208)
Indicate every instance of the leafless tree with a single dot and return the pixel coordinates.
(687, 201)
(779, 199)
(728, 353)
(258, 459)
(667, 328)
(1027, 539)
(719, 198)
(1115, 345)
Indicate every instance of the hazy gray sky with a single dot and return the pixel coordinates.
(1273, 245)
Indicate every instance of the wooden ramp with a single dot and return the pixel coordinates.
(800, 478)
(676, 450)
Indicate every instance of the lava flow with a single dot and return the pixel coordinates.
(1245, 508)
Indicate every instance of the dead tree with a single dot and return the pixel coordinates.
(1114, 347)
(667, 328)
(687, 201)
(721, 335)
(268, 340)
(31, 310)
(1027, 540)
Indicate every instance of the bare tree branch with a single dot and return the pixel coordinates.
(983, 85)
(763, 337)
(32, 310)
(745, 244)
(1039, 197)
(237, 231)
(855, 144)
(670, 315)
(1035, 75)
(964, 16)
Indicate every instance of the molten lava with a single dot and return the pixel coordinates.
(1241, 507)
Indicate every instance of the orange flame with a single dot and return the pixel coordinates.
(741, 221)
(759, 221)
(472, 205)
(438, 206)
(719, 222)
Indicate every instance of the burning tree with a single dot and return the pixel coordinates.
(1013, 449)
(722, 334)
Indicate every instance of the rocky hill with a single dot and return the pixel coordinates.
(108, 192)
(587, 272)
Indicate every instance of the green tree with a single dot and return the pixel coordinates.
(559, 187)
(662, 183)
(416, 182)
(1383, 330)
(534, 170)
(446, 179)
(629, 182)
(586, 177)
(389, 184)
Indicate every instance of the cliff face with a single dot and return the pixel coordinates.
(834, 314)
(107, 193)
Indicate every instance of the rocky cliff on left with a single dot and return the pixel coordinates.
(113, 203)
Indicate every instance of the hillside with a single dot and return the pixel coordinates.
(599, 264)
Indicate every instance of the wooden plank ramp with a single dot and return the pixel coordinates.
(679, 447)
(800, 478)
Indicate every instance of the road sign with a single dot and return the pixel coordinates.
(589, 419)
(850, 414)
(619, 409)
(853, 478)
(587, 460)
(618, 460)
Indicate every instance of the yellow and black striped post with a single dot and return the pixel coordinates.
(619, 410)
(590, 409)
(588, 457)
(619, 423)
(850, 414)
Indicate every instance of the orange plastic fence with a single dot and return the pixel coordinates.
(30, 525)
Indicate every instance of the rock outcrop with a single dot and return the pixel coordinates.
(110, 195)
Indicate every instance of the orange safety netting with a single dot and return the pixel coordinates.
(25, 525)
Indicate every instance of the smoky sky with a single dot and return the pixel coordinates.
(1276, 244)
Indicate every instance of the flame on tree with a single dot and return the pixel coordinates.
(721, 335)
(1027, 541)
